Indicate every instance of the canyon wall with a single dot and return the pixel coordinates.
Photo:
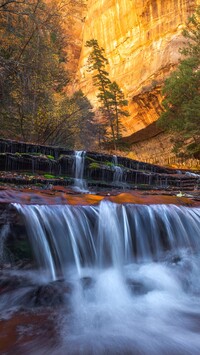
(74, 17)
(158, 150)
(141, 39)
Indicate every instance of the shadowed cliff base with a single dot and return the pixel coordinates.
(148, 132)
(153, 145)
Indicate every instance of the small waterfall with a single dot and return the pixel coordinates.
(115, 160)
(79, 163)
(108, 234)
(118, 172)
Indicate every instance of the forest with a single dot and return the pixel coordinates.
(35, 105)
(34, 74)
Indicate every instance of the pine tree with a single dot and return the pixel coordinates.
(97, 63)
(109, 94)
(118, 102)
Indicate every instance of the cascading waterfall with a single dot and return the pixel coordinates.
(107, 235)
(79, 163)
(133, 272)
(118, 172)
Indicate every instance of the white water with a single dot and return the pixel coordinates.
(108, 235)
(118, 172)
(79, 162)
(109, 318)
(141, 265)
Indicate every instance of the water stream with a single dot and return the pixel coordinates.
(107, 235)
(80, 184)
(118, 172)
(133, 272)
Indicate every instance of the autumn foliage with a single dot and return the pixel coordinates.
(34, 105)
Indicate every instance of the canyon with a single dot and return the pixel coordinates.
(141, 40)
(100, 250)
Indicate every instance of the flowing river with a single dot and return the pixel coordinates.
(117, 279)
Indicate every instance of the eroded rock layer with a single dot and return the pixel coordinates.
(141, 39)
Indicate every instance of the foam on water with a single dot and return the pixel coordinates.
(134, 272)
(108, 317)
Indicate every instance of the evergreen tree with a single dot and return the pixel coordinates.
(109, 94)
(118, 102)
(97, 63)
(182, 94)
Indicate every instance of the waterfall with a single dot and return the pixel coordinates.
(118, 172)
(79, 163)
(113, 279)
(107, 234)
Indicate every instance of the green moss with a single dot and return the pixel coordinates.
(50, 157)
(94, 165)
(49, 176)
(24, 154)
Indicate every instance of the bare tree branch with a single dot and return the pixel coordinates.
(61, 123)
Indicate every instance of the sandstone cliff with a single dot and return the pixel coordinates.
(74, 17)
(141, 39)
(151, 145)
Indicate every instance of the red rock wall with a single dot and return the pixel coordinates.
(141, 39)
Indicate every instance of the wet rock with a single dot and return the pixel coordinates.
(137, 287)
(176, 259)
(18, 246)
(10, 282)
(6, 266)
(24, 264)
(53, 294)
(87, 282)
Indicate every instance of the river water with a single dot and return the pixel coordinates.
(126, 278)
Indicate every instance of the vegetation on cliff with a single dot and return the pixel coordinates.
(110, 95)
(182, 94)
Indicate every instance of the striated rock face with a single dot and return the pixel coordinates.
(153, 146)
(141, 39)
(73, 29)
